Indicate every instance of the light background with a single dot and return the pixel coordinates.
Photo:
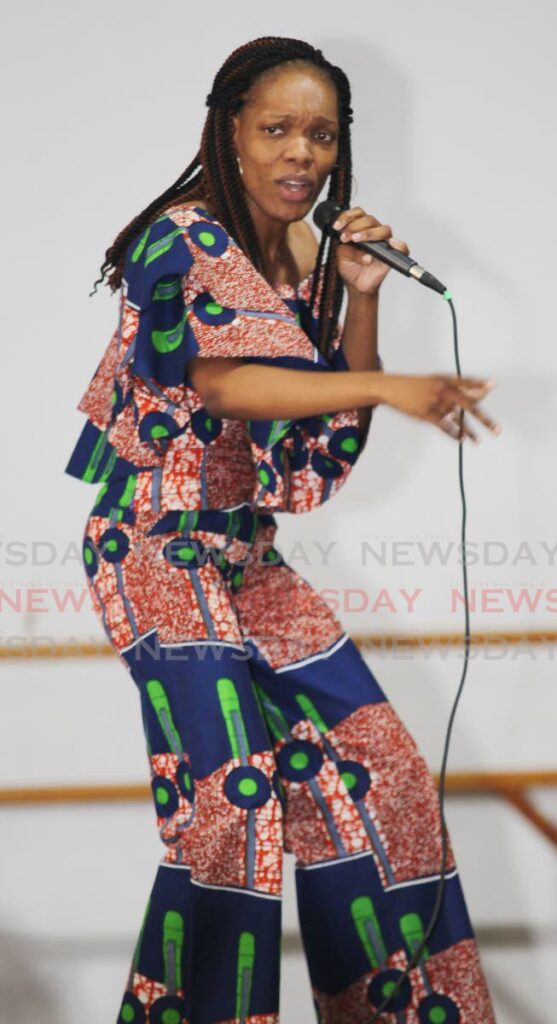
(454, 146)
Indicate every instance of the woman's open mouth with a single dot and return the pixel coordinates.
(293, 190)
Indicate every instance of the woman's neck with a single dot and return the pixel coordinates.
(274, 242)
(272, 236)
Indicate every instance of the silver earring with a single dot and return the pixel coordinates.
(239, 165)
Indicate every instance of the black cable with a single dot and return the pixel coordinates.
(441, 886)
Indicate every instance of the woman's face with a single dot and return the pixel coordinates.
(286, 136)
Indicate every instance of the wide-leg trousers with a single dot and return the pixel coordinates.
(267, 732)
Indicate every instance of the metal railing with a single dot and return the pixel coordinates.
(74, 648)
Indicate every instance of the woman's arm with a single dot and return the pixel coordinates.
(359, 341)
(230, 388)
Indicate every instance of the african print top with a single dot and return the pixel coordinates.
(189, 289)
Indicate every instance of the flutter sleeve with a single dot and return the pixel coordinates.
(232, 311)
(187, 290)
(198, 294)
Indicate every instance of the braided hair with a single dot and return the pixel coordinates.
(214, 176)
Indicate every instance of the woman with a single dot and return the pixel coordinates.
(228, 393)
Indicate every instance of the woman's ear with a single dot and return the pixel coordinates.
(235, 133)
(236, 128)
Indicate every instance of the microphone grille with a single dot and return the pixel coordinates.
(325, 214)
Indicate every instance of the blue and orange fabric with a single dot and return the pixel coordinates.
(266, 730)
(190, 290)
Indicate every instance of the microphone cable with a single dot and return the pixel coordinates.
(416, 955)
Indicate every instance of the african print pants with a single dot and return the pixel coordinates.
(267, 732)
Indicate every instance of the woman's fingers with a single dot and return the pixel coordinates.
(485, 419)
(348, 216)
(468, 397)
(356, 225)
(457, 428)
(363, 231)
(442, 400)
(471, 384)
(396, 243)
(456, 396)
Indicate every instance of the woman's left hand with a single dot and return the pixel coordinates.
(362, 272)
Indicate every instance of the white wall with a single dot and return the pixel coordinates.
(454, 147)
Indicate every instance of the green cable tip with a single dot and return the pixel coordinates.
(446, 294)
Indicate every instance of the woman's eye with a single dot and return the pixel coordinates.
(322, 135)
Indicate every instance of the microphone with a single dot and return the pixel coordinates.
(326, 213)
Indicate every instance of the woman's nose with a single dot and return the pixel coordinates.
(299, 150)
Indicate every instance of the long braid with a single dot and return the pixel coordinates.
(114, 254)
(340, 187)
(235, 208)
(213, 175)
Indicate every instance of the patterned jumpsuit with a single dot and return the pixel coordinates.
(266, 731)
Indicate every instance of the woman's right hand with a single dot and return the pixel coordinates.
(441, 399)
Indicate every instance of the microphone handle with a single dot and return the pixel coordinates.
(399, 261)
(384, 251)
(405, 264)
(325, 214)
